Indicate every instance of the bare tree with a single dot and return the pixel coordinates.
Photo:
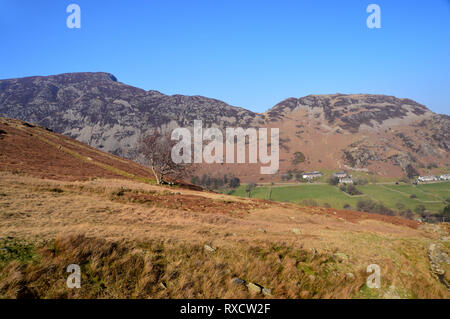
(157, 150)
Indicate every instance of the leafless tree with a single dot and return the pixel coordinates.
(157, 149)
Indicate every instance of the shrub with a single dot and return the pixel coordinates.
(309, 202)
(350, 189)
(446, 213)
(404, 179)
(360, 181)
(407, 214)
(234, 182)
(216, 182)
(413, 196)
(333, 180)
(370, 206)
(299, 157)
(420, 209)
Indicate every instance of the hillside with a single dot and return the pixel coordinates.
(62, 202)
(381, 135)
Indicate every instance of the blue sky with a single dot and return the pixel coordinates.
(248, 53)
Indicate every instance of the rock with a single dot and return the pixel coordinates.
(341, 219)
(254, 288)
(262, 230)
(296, 231)
(445, 239)
(238, 281)
(209, 248)
(292, 217)
(312, 277)
(437, 258)
(305, 294)
(163, 285)
(340, 257)
(350, 276)
(267, 292)
(391, 293)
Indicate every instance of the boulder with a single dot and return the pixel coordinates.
(267, 292)
(254, 288)
(340, 257)
(238, 281)
(209, 248)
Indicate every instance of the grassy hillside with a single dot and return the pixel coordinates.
(135, 240)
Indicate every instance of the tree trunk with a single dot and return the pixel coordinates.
(158, 180)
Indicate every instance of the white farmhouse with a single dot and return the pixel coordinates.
(312, 175)
(428, 178)
(445, 177)
(340, 174)
(345, 180)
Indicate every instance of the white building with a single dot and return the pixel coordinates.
(340, 174)
(345, 180)
(312, 175)
(445, 177)
(429, 178)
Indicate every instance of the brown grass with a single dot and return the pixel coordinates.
(131, 237)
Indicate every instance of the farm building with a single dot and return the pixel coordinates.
(445, 177)
(340, 174)
(312, 175)
(345, 180)
(429, 178)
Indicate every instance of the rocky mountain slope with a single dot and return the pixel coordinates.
(381, 134)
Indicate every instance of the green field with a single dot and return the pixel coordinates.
(396, 197)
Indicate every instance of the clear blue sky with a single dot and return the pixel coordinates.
(248, 53)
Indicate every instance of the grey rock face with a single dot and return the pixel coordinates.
(96, 109)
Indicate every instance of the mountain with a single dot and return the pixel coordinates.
(96, 109)
(379, 134)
